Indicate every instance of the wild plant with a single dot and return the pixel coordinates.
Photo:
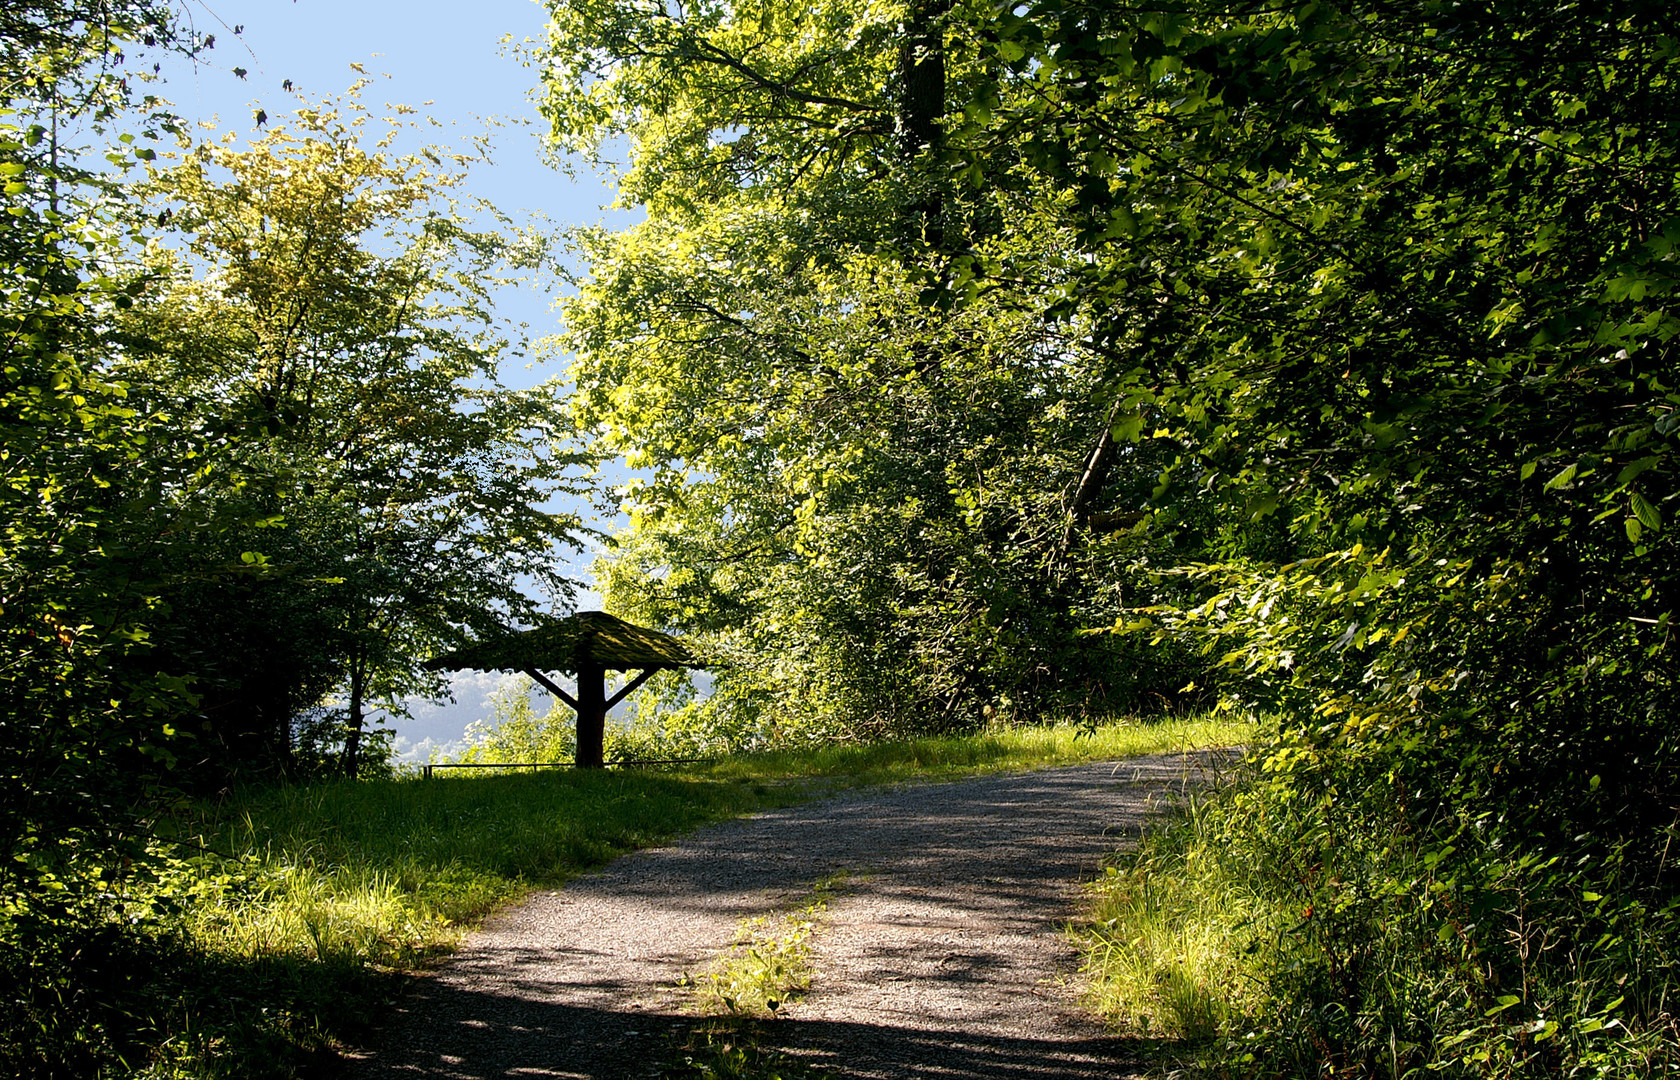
(1274, 936)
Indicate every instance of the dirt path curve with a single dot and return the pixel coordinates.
(943, 956)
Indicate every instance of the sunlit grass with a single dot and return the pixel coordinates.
(1250, 942)
(993, 751)
(393, 870)
(323, 886)
(1168, 938)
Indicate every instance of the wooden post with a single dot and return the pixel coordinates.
(591, 716)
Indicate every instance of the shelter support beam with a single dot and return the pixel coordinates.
(629, 686)
(548, 684)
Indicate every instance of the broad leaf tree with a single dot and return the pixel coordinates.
(864, 494)
(1392, 282)
(328, 309)
(1359, 311)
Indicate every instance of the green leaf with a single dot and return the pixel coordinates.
(1632, 471)
(1128, 429)
(1648, 515)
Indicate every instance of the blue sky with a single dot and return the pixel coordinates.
(451, 55)
(447, 53)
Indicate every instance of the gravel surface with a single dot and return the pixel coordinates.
(942, 955)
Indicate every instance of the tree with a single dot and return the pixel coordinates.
(80, 736)
(1392, 314)
(1396, 276)
(329, 306)
(864, 492)
(515, 733)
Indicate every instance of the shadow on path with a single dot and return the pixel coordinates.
(541, 1040)
(943, 956)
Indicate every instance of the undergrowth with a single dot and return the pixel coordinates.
(1264, 937)
(273, 927)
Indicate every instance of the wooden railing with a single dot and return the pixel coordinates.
(426, 770)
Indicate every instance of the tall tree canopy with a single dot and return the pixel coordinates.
(864, 496)
(254, 466)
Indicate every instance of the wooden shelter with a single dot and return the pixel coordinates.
(588, 644)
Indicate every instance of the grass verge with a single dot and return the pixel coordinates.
(291, 912)
(1169, 936)
(1260, 937)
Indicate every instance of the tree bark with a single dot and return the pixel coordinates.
(1092, 479)
(353, 740)
(921, 104)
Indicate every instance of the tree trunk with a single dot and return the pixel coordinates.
(353, 739)
(1093, 478)
(921, 103)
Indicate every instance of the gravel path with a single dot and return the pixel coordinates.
(942, 955)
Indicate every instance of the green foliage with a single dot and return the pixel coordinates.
(515, 733)
(64, 55)
(106, 997)
(239, 476)
(872, 512)
(321, 306)
(1280, 939)
(1404, 325)
(82, 732)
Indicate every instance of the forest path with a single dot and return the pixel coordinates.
(941, 954)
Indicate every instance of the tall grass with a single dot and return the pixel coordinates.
(1170, 935)
(1263, 938)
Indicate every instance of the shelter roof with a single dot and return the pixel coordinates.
(589, 637)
